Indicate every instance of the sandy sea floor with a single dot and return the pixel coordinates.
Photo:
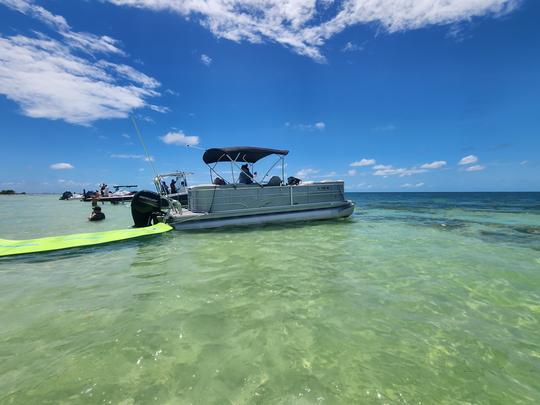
(418, 298)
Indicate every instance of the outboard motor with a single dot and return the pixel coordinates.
(145, 207)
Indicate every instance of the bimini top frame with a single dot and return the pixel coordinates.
(242, 155)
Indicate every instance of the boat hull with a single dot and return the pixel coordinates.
(113, 199)
(296, 214)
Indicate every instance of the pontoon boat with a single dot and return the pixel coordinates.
(230, 203)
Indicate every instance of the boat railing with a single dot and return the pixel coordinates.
(224, 198)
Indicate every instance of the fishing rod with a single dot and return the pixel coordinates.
(148, 157)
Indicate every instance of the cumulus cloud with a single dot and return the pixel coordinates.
(382, 170)
(434, 165)
(306, 25)
(467, 160)
(382, 167)
(179, 138)
(206, 60)
(409, 185)
(363, 162)
(61, 166)
(351, 172)
(66, 79)
(389, 170)
(475, 168)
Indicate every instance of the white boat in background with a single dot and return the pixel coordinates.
(181, 184)
(121, 193)
(76, 196)
(230, 203)
(69, 196)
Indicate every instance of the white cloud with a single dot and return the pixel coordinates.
(206, 60)
(409, 185)
(523, 162)
(434, 165)
(329, 175)
(90, 43)
(179, 138)
(382, 167)
(131, 156)
(382, 170)
(363, 162)
(306, 173)
(127, 136)
(61, 166)
(351, 173)
(318, 126)
(467, 160)
(49, 78)
(352, 47)
(83, 41)
(159, 108)
(475, 168)
(304, 26)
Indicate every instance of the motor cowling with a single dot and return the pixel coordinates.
(146, 206)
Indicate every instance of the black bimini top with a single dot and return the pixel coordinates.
(248, 154)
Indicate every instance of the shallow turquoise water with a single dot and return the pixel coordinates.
(419, 298)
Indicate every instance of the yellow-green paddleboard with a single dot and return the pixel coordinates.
(19, 247)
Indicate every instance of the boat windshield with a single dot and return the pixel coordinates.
(180, 180)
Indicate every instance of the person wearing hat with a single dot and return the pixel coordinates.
(96, 215)
(245, 175)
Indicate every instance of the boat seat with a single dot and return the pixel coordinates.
(274, 181)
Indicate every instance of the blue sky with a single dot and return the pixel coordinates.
(387, 95)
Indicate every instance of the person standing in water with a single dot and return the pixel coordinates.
(96, 215)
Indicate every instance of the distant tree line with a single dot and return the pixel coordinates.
(9, 192)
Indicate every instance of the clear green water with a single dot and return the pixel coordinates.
(419, 298)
